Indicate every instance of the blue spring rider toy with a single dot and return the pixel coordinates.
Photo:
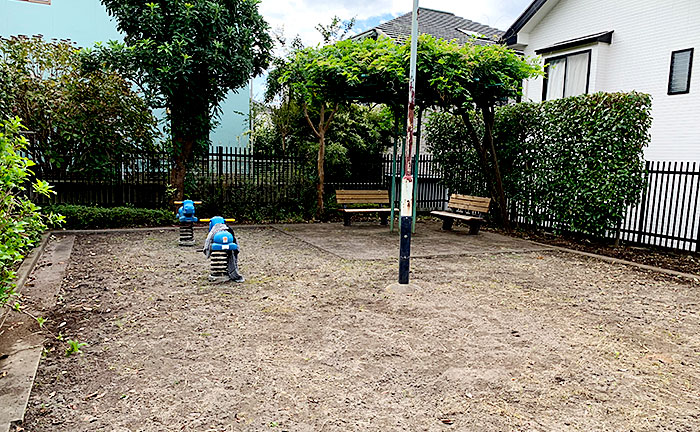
(185, 215)
(222, 249)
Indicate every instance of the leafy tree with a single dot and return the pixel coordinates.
(77, 121)
(323, 79)
(468, 78)
(188, 56)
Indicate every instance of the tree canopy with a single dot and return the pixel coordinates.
(76, 120)
(188, 57)
(460, 78)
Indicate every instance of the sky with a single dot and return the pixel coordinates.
(300, 17)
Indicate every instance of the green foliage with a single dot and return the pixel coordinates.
(78, 121)
(187, 56)
(74, 347)
(361, 134)
(86, 217)
(21, 224)
(293, 202)
(346, 71)
(448, 140)
(459, 77)
(577, 161)
(450, 76)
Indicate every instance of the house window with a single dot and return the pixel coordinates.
(567, 75)
(681, 68)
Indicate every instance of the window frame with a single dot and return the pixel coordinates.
(564, 56)
(690, 71)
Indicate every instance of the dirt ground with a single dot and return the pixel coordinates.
(681, 261)
(500, 336)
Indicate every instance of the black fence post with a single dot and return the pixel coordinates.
(643, 205)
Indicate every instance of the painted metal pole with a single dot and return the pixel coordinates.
(407, 181)
(416, 171)
(393, 173)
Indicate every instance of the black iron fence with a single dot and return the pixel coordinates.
(666, 214)
(233, 174)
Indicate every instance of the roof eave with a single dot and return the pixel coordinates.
(522, 20)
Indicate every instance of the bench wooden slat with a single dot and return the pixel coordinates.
(480, 209)
(456, 215)
(362, 196)
(471, 203)
(367, 210)
(370, 200)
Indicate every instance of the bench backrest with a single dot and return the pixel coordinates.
(362, 196)
(470, 203)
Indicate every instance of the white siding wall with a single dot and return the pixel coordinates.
(646, 32)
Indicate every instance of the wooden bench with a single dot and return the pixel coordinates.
(476, 206)
(349, 197)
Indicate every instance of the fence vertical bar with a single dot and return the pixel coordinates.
(415, 173)
(643, 205)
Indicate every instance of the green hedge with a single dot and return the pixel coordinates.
(577, 162)
(86, 217)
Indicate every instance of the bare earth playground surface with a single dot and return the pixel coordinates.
(502, 335)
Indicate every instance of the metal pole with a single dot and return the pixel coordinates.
(393, 172)
(416, 166)
(407, 181)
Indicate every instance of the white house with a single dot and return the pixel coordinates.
(620, 45)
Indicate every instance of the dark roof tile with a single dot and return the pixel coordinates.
(444, 25)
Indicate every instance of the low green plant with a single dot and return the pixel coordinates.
(21, 222)
(74, 347)
(87, 217)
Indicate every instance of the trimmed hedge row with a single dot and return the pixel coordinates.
(86, 217)
(576, 162)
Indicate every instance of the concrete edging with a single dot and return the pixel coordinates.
(144, 229)
(26, 268)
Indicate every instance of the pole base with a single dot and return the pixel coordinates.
(397, 288)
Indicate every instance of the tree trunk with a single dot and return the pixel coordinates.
(488, 115)
(189, 127)
(321, 170)
(179, 171)
(320, 133)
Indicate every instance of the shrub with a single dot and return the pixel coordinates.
(255, 202)
(87, 217)
(81, 121)
(21, 224)
(576, 161)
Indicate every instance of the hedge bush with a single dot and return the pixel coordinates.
(21, 224)
(87, 217)
(577, 162)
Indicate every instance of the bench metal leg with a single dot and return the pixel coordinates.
(384, 218)
(447, 224)
(474, 227)
(346, 219)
